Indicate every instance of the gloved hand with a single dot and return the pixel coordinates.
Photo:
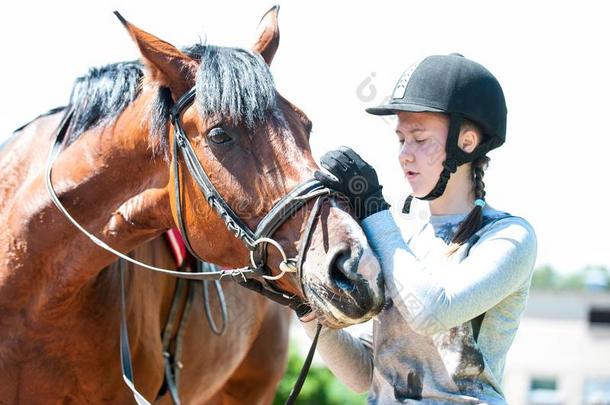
(355, 178)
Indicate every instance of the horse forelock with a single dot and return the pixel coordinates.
(236, 84)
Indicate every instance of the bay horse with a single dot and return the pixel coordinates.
(59, 293)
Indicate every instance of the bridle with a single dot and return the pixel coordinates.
(257, 276)
(256, 241)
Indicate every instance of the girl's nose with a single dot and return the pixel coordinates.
(405, 154)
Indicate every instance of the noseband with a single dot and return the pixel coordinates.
(257, 276)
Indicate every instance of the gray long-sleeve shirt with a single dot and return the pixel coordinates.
(423, 348)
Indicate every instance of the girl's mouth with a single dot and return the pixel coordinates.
(411, 174)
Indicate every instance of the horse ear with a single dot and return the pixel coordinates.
(269, 35)
(166, 64)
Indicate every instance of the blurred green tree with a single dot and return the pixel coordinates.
(587, 278)
(320, 388)
(545, 278)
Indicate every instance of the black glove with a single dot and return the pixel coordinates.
(355, 178)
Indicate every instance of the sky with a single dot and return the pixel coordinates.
(337, 58)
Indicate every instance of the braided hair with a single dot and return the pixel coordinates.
(473, 222)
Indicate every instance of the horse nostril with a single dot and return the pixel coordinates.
(343, 270)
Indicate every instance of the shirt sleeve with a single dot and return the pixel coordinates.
(348, 357)
(433, 301)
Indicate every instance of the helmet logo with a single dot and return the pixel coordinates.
(401, 86)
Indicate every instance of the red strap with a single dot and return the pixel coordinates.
(177, 244)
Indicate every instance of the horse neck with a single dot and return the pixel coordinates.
(111, 182)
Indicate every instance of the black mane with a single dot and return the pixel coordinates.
(102, 94)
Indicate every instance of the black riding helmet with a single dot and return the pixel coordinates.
(461, 88)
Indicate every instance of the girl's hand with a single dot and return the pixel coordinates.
(354, 178)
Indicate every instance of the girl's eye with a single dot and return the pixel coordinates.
(420, 140)
(219, 136)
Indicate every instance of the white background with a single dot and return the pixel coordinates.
(336, 58)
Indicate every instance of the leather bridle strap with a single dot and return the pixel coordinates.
(296, 389)
(181, 144)
(170, 365)
(231, 220)
(284, 209)
(289, 205)
(218, 331)
(126, 365)
(301, 308)
(304, 243)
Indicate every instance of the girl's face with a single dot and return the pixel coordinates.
(422, 137)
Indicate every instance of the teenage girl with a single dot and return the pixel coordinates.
(457, 283)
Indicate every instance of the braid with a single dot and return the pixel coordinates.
(473, 222)
(478, 169)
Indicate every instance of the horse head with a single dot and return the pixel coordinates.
(252, 145)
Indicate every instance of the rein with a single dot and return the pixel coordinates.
(257, 276)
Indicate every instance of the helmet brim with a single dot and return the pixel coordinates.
(394, 108)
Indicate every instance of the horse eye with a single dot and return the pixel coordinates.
(219, 136)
